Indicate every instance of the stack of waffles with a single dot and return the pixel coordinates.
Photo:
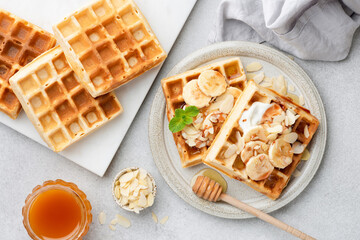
(193, 141)
(56, 103)
(66, 91)
(20, 43)
(264, 156)
(108, 44)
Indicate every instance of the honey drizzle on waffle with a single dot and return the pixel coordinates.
(234, 167)
(231, 68)
(108, 43)
(59, 107)
(20, 43)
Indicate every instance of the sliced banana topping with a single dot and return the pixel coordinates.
(272, 112)
(212, 83)
(280, 153)
(259, 167)
(252, 149)
(194, 96)
(256, 133)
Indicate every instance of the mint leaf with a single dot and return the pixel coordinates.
(179, 112)
(191, 111)
(187, 120)
(176, 124)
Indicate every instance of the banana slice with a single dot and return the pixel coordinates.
(252, 149)
(256, 133)
(193, 96)
(280, 153)
(212, 83)
(259, 167)
(271, 112)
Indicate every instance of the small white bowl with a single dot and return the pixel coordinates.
(122, 172)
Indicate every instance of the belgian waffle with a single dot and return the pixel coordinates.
(56, 103)
(233, 166)
(108, 44)
(234, 73)
(20, 43)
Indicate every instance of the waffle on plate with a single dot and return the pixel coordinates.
(108, 44)
(262, 140)
(221, 83)
(56, 103)
(20, 43)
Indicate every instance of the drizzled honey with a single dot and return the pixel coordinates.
(55, 214)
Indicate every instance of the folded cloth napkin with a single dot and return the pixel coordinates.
(308, 29)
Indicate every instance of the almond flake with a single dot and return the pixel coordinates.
(291, 88)
(154, 217)
(123, 221)
(306, 155)
(253, 67)
(301, 100)
(102, 218)
(164, 220)
(230, 151)
(296, 173)
(275, 129)
(227, 104)
(114, 221)
(143, 174)
(294, 98)
(126, 177)
(112, 227)
(272, 137)
(306, 131)
(150, 199)
(117, 192)
(298, 148)
(142, 200)
(240, 142)
(290, 137)
(250, 76)
(259, 77)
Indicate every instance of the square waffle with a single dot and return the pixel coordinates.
(20, 43)
(233, 166)
(62, 111)
(234, 73)
(108, 44)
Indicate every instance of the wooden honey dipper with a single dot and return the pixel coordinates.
(208, 189)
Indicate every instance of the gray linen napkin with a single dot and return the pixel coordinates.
(308, 29)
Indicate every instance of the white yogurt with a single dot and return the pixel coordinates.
(252, 117)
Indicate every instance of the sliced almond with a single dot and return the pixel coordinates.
(306, 155)
(291, 88)
(142, 200)
(296, 173)
(126, 177)
(294, 98)
(102, 218)
(114, 221)
(154, 217)
(290, 137)
(301, 100)
(253, 67)
(150, 199)
(123, 221)
(117, 192)
(250, 76)
(306, 131)
(227, 104)
(112, 227)
(298, 148)
(272, 137)
(240, 142)
(259, 77)
(230, 151)
(164, 220)
(275, 129)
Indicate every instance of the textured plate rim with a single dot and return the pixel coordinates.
(210, 53)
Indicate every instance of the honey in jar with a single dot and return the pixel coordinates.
(57, 210)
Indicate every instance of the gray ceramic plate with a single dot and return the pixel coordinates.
(165, 153)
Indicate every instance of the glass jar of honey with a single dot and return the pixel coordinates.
(57, 210)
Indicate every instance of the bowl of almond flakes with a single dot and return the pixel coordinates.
(134, 189)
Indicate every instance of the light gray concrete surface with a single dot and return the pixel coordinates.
(327, 208)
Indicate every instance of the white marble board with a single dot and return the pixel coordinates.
(96, 151)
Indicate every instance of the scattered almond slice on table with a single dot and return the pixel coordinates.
(154, 217)
(102, 218)
(164, 220)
